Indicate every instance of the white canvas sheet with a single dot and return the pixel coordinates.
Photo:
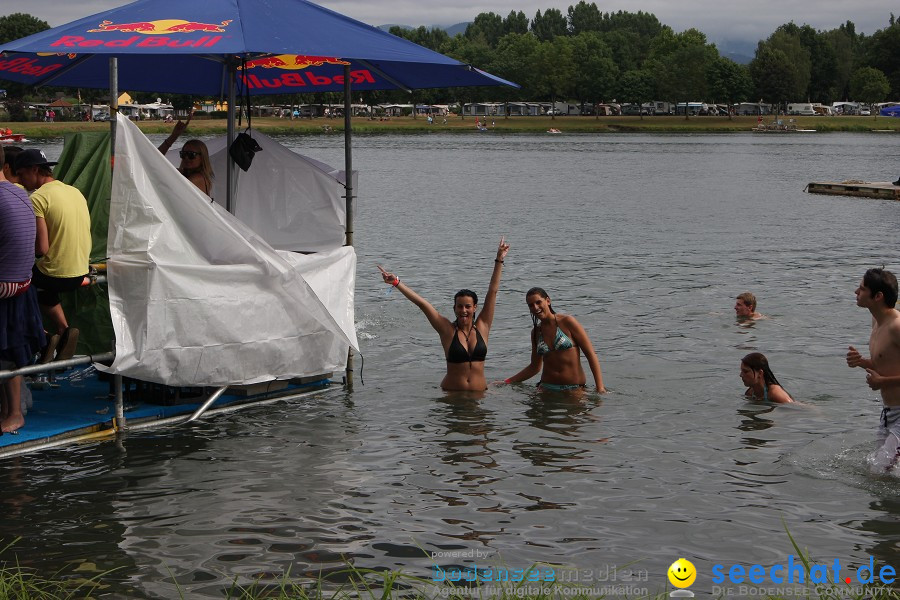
(197, 298)
(292, 201)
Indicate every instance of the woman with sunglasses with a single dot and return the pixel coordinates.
(195, 163)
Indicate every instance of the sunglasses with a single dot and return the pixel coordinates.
(188, 154)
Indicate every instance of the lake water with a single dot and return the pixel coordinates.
(646, 239)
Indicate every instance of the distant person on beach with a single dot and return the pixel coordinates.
(194, 156)
(558, 362)
(760, 381)
(745, 307)
(21, 329)
(878, 293)
(465, 339)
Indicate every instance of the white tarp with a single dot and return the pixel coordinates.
(197, 298)
(292, 201)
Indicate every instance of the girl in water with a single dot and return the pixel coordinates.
(465, 339)
(561, 358)
(760, 381)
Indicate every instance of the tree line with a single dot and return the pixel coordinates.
(590, 56)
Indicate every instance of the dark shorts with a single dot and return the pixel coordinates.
(49, 287)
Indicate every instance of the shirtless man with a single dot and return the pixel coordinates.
(878, 293)
(745, 307)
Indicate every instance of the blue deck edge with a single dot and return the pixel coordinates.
(78, 406)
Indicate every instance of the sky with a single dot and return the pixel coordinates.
(719, 19)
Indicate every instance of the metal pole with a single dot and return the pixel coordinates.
(229, 164)
(348, 171)
(209, 402)
(120, 403)
(113, 108)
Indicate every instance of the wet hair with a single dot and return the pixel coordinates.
(543, 294)
(879, 280)
(466, 293)
(757, 361)
(748, 299)
(205, 168)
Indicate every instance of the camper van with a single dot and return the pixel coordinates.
(802, 108)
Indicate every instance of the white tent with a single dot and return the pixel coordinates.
(198, 298)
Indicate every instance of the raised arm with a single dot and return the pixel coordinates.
(176, 133)
(580, 337)
(440, 323)
(490, 301)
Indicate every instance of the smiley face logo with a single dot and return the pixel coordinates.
(682, 573)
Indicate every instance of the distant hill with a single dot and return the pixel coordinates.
(451, 30)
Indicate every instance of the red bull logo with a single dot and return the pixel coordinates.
(293, 62)
(307, 79)
(161, 27)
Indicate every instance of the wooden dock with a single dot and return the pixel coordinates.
(864, 189)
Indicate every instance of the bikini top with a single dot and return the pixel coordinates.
(561, 342)
(456, 353)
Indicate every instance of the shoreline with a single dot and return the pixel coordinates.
(455, 124)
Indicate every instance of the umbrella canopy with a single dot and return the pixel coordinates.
(278, 47)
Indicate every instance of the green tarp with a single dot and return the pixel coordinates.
(84, 163)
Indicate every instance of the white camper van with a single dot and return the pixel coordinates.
(802, 108)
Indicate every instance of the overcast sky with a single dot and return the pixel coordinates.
(719, 19)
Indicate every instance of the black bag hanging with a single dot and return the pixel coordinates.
(244, 147)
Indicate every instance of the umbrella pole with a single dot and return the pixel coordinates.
(348, 180)
(113, 123)
(229, 138)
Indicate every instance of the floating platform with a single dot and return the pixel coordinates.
(864, 189)
(75, 406)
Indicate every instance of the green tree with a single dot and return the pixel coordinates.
(595, 70)
(19, 25)
(487, 26)
(637, 87)
(845, 46)
(515, 22)
(882, 51)
(729, 82)
(869, 85)
(14, 27)
(550, 25)
(554, 69)
(514, 60)
(584, 17)
(774, 77)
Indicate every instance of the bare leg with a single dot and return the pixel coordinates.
(56, 314)
(12, 402)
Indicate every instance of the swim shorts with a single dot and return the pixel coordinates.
(888, 439)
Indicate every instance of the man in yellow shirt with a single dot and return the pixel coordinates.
(62, 243)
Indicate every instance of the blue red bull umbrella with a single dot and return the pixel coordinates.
(279, 46)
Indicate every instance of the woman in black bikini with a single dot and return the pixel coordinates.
(465, 339)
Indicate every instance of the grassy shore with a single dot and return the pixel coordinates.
(408, 125)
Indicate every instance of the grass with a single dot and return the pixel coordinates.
(24, 583)
(408, 125)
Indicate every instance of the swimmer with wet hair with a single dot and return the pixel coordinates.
(760, 381)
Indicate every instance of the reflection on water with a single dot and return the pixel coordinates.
(645, 239)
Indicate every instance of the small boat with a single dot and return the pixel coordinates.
(553, 130)
(12, 138)
(864, 189)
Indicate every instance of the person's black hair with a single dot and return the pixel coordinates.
(880, 280)
(757, 361)
(468, 293)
